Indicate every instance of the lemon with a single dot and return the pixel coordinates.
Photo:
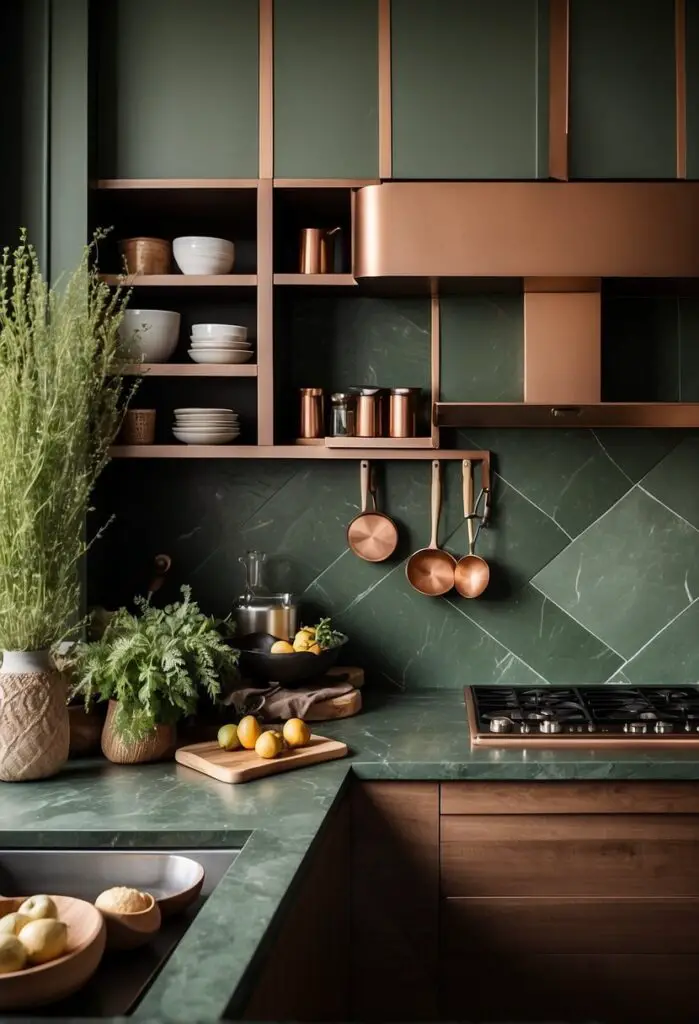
(296, 732)
(228, 737)
(12, 924)
(13, 955)
(249, 730)
(302, 641)
(269, 744)
(38, 907)
(44, 939)
(281, 647)
(310, 630)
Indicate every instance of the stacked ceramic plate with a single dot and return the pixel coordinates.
(220, 343)
(206, 426)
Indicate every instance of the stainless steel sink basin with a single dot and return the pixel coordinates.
(122, 978)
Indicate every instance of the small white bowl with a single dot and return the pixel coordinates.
(190, 437)
(220, 343)
(200, 409)
(199, 254)
(150, 334)
(219, 331)
(221, 357)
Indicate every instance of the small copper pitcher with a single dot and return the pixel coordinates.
(315, 255)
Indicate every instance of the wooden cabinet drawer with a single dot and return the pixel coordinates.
(571, 855)
(616, 989)
(569, 798)
(520, 927)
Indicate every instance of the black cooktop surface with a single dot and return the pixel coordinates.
(622, 710)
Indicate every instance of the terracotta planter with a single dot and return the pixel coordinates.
(34, 727)
(157, 746)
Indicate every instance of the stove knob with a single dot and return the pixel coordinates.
(550, 725)
(688, 727)
(500, 725)
(663, 727)
(591, 727)
(635, 727)
(525, 727)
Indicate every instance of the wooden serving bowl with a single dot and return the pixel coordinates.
(47, 983)
(131, 930)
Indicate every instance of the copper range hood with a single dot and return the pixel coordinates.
(561, 239)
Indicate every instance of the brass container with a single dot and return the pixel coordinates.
(139, 426)
(315, 250)
(402, 412)
(369, 412)
(146, 255)
(311, 413)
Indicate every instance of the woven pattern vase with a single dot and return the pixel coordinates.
(34, 726)
(158, 745)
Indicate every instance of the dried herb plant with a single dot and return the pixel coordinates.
(61, 406)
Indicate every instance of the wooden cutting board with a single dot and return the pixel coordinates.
(339, 707)
(245, 765)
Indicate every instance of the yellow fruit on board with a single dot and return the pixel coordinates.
(314, 649)
(44, 940)
(38, 907)
(249, 730)
(13, 955)
(302, 641)
(228, 737)
(269, 744)
(281, 647)
(12, 924)
(296, 732)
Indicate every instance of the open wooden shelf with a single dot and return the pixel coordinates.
(182, 280)
(191, 370)
(233, 451)
(379, 442)
(165, 183)
(316, 280)
(670, 415)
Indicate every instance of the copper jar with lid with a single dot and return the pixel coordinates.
(369, 414)
(311, 413)
(402, 412)
(342, 414)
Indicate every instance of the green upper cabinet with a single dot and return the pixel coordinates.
(177, 84)
(692, 64)
(622, 89)
(469, 88)
(326, 89)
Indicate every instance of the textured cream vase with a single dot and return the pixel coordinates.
(34, 724)
(155, 746)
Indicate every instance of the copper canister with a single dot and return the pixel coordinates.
(146, 255)
(369, 414)
(315, 251)
(402, 412)
(311, 412)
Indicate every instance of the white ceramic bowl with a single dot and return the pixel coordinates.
(199, 254)
(219, 343)
(193, 437)
(219, 331)
(223, 357)
(203, 409)
(150, 334)
(217, 418)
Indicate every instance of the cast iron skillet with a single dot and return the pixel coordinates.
(287, 669)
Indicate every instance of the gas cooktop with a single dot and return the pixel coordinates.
(523, 716)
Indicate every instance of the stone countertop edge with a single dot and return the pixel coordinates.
(275, 822)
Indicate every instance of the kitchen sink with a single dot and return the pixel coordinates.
(123, 977)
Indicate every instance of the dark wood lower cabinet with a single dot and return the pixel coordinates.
(495, 902)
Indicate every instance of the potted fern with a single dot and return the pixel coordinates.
(61, 406)
(151, 667)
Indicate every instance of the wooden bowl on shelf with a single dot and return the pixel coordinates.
(129, 930)
(47, 983)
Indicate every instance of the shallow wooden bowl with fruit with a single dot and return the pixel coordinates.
(49, 982)
(291, 668)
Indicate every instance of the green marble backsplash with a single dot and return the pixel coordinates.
(594, 542)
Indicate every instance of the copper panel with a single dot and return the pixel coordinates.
(435, 361)
(559, 78)
(681, 85)
(562, 347)
(528, 229)
(562, 284)
(385, 100)
(604, 414)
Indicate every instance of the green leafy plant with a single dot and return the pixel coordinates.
(326, 636)
(155, 664)
(61, 406)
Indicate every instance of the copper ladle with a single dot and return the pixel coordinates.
(430, 570)
(472, 572)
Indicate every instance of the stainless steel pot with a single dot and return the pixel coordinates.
(276, 614)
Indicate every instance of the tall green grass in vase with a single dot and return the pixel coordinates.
(61, 404)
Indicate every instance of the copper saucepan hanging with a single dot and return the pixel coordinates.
(372, 536)
(431, 570)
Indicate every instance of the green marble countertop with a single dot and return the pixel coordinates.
(275, 821)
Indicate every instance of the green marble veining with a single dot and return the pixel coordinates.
(421, 734)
